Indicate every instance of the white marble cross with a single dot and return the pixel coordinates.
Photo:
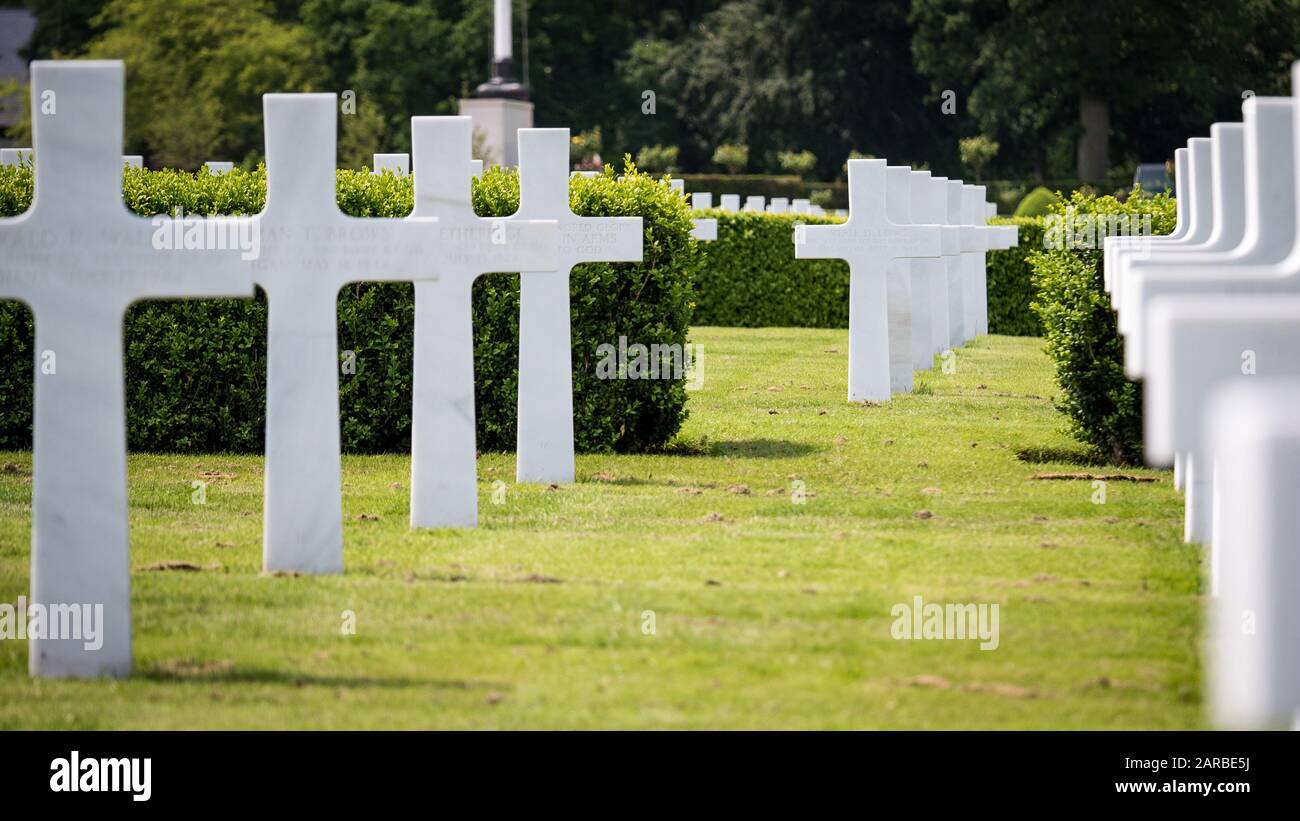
(218, 167)
(900, 282)
(78, 259)
(1227, 173)
(16, 156)
(930, 276)
(444, 487)
(1200, 209)
(309, 251)
(957, 266)
(868, 241)
(1169, 295)
(975, 298)
(544, 442)
(1182, 193)
(1253, 668)
(1204, 342)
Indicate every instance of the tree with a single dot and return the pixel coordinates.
(976, 152)
(196, 72)
(797, 162)
(1099, 72)
(732, 156)
(776, 73)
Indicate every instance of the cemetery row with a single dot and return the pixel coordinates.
(1210, 319)
(915, 245)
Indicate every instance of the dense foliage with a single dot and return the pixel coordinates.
(1103, 407)
(196, 370)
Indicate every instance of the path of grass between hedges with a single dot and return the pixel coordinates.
(767, 613)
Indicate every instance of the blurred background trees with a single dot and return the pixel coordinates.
(1066, 88)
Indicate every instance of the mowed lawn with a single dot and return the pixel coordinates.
(683, 590)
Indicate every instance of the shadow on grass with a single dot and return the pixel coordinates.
(743, 448)
(1062, 456)
(261, 675)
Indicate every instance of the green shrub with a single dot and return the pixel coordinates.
(732, 156)
(1103, 407)
(196, 370)
(1037, 203)
(1010, 281)
(799, 163)
(750, 278)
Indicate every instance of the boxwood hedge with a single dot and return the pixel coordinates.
(1103, 408)
(751, 279)
(196, 370)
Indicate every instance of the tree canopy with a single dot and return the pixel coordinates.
(1067, 88)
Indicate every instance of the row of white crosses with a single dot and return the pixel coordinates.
(1211, 321)
(915, 245)
(79, 259)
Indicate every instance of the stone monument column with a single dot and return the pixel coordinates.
(500, 107)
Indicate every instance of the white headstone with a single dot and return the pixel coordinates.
(729, 202)
(1183, 194)
(1253, 670)
(544, 449)
(898, 276)
(868, 241)
(936, 211)
(800, 206)
(1199, 199)
(444, 488)
(701, 201)
(957, 267)
(78, 259)
(217, 167)
(1227, 170)
(780, 205)
(753, 203)
(1161, 291)
(975, 298)
(679, 186)
(133, 160)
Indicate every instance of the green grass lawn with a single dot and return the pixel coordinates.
(766, 613)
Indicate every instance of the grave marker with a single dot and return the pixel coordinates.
(444, 487)
(868, 241)
(544, 448)
(79, 259)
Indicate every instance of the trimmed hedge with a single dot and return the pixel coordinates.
(750, 278)
(1103, 407)
(1010, 281)
(196, 370)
